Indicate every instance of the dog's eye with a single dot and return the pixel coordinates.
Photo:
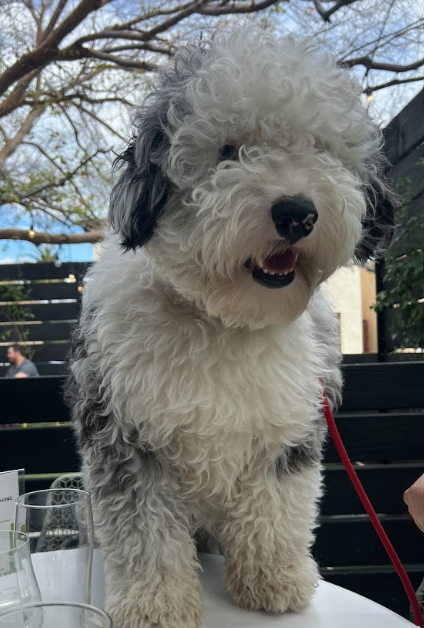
(228, 153)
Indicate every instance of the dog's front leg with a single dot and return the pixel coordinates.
(149, 556)
(267, 536)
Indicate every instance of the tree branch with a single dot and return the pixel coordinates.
(147, 47)
(13, 99)
(41, 237)
(321, 11)
(388, 67)
(244, 9)
(374, 88)
(336, 6)
(48, 51)
(70, 54)
(102, 122)
(54, 18)
(14, 142)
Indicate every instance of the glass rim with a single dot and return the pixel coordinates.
(78, 605)
(18, 533)
(21, 504)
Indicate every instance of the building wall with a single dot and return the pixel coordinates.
(352, 293)
(344, 291)
(368, 300)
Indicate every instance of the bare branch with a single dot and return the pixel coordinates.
(336, 6)
(56, 98)
(321, 11)
(54, 18)
(388, 67)
(14, 142)
(385, 39)
(224, 9)
(48, 50)
(147, 47)
(41, 237)
(374, 88)
(13, 99)
(70, 54)
(191, 8)
(5, 135)
(102, 122)
(61, 182)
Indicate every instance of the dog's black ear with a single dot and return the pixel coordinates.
(141, 192)
(378, 225)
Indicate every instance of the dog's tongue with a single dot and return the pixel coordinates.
(281, 263)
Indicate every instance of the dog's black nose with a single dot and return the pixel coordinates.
(294, 218)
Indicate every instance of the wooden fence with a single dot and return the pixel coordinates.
(381, 423)
(44, 314)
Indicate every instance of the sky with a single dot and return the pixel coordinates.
(20, 252)
(298, 18)
(13, 252)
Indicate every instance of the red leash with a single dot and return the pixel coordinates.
(372, 515)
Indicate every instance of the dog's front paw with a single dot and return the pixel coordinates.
(274, 588)
(168, 604)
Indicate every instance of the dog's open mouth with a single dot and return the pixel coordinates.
(275, 271)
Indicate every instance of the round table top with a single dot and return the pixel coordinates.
(331, 607)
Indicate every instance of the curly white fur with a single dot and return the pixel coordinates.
(196, 391)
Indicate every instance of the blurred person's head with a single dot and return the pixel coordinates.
(15, 354)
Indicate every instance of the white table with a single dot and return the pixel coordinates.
(331, 607)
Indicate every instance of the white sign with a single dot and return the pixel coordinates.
(9, 492)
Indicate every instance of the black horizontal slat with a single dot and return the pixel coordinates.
(49, 352)
(361, 545)
(32, 400)
(40, 331)
(49, 311)
(360, 358)
(383, 386)
(43, 270)
(38, 450)
(59, 290)
(382, 586)
(363, 434)
(384, 485)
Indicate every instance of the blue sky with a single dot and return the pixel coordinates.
(18, 252)
(12, 252)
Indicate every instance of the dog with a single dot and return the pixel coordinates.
(205, 342)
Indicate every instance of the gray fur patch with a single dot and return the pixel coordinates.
(142, 192)
(303, 456)
(87, 407)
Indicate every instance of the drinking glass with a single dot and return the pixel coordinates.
(17, 580)
(59, 523)
(55, 615)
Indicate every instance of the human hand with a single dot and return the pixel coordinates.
(20, 375)
(414, 499)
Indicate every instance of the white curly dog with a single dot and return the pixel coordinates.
(204, 341)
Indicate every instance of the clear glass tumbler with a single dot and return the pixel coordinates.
(17, 580)
(59, 523)
(55, 615)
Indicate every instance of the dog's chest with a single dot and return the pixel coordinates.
(212, 405)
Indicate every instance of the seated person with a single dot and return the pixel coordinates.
(20, 366)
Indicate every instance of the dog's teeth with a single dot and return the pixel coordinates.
(271, 272)
(260, 264)
(265, 271)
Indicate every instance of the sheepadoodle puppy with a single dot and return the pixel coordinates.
(204, 342)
